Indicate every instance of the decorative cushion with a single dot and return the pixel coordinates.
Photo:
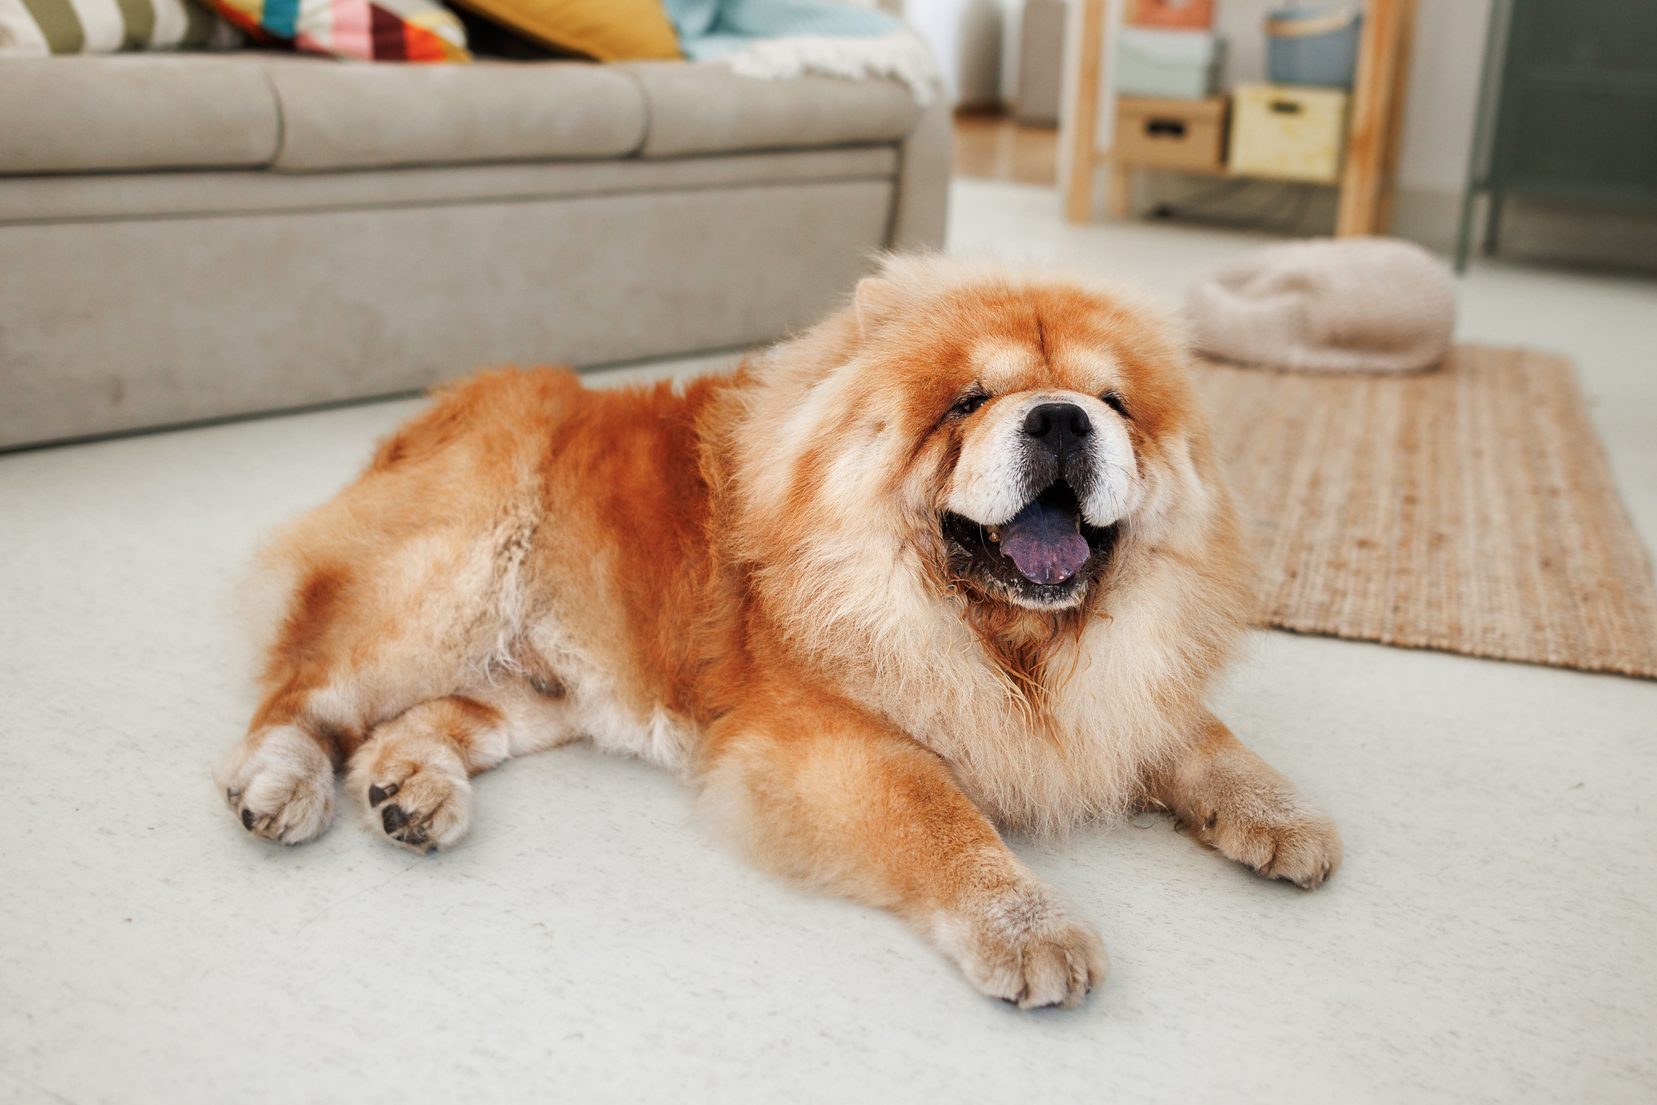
(368, 30)
(36, 28)
(1327, 305)
(609, 30)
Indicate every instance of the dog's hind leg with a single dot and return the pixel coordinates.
(407, 586)
(279, 778)
(411, 776)
(364, 638)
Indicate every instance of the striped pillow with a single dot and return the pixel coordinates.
(370, 30)
(35, 28)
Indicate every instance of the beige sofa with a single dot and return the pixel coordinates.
(190, 237)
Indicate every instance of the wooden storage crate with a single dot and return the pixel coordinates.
(1288, 132)
(1171, 134)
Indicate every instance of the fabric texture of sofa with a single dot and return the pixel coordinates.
(190, 237)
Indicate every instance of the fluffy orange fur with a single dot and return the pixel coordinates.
(746, 580)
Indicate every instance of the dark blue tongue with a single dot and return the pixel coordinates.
(1045, 543)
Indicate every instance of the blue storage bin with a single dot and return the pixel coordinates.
(1316, 46)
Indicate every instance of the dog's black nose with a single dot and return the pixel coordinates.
(1059, 426)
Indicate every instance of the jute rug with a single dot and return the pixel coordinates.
(1468, 509)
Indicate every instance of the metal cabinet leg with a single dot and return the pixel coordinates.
(1493, 223)
(1464, 229)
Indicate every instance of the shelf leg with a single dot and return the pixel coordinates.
(1377, 95)
(1119, 200)
(1084, 129)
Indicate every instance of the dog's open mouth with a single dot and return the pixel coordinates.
(1045, 553)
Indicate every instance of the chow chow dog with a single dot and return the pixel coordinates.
(956, 558)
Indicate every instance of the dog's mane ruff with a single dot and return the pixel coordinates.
(830, 567)
(1049, 720)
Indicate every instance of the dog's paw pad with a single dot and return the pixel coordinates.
(1024, 948)
(280, 786)
(427, 779)
(1295, 844)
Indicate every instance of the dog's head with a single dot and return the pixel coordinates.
(1032, 455)
(1006, 439)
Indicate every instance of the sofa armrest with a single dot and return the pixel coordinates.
(920, 210)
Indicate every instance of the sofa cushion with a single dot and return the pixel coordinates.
(706, 108)
(143, 111)
(342, 116)
(296, 113)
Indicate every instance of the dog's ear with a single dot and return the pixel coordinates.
(876, 299)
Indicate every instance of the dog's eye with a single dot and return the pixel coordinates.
(1113, 399)
(968, 403)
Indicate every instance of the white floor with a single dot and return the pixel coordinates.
(1492, 937)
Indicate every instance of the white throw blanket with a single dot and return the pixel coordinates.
(778, 39)
(900, 56)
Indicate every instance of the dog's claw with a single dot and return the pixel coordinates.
(393, 818)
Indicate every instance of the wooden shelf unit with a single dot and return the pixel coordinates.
(1373, 130)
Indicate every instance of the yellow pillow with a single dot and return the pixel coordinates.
(609, 30)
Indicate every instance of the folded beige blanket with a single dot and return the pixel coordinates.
(1327, 305)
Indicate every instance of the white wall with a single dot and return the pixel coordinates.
(1443, 94)
(969, 39)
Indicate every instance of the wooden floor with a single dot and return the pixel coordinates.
(993, 147)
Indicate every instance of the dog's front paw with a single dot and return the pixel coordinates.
(1279, 841)
(280, 785)
(414, 789)
(1021, 946)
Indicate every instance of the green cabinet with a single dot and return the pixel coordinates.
(1567, 108)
